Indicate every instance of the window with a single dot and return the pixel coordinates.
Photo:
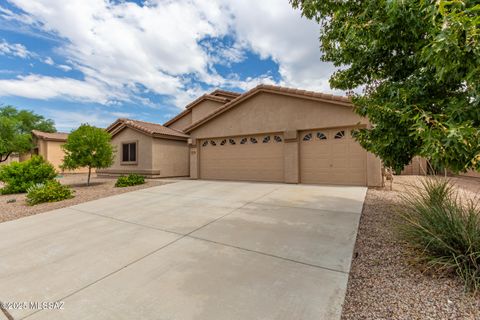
(205, 143)
(231, 141)
(307, 137)
(321, 136)
(277, 139)
(253, 140)
(224, 141)
(243, 141)
(340, 134)
(213, 143)
(129, 152)
(266, 139)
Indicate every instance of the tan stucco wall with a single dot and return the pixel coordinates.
(171, 157)
(10, 159)
(418, 166)
(155, 157)
(182, 123)
(52, 152)
(266, 112)
(204, 108)
(471, 173)
(144, 163)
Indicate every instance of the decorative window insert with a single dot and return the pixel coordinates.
(253, 140)
(232, 141)
(213, 143)
(129, 152)
(321, 136)
(340, 134)
(205, 143)
(277, 139)
(224, 141)
(307, 137)
(243, 141)
(266, 139)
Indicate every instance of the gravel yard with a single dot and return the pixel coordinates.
(99, 188)
(383, 284)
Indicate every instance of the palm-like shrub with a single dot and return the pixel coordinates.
(443, 229)
(51, 191)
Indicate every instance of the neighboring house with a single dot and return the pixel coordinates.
(148, 149)
(418, 166)
(49, 146)
(269, 134)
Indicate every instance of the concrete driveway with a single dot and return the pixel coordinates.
(188, 250)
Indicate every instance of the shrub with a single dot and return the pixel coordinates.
(443, 230)
(19, 176)
(130, 180)
(50, 191)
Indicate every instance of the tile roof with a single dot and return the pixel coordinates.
(146, 127)
(220, 92)
(54, 136)
(345, 101)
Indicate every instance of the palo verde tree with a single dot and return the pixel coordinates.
(418, 64)
(15, 130)
(89, 147)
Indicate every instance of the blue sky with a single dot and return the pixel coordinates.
(92, 61)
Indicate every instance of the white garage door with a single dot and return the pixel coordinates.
(251, 158)
(332, 157)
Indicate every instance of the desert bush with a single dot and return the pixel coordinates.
(19, 176)
(130, 180)
(50, 191)
(443, 230)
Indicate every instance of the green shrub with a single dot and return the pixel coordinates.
(443, 230)
(19, 176)
(50, 191)
(130, 180)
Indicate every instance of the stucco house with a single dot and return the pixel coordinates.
(269, 133)
(49, 146)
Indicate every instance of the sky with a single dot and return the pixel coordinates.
(93, 61)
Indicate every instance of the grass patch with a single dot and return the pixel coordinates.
(443, 230)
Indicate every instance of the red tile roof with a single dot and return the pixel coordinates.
(52, 136)
(150, 128)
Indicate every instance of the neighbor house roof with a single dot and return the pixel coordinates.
(340, 100)
(50, 136)
(153, 129)
(225, 93)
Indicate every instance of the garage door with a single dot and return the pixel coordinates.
(252, 158)
(332, 157)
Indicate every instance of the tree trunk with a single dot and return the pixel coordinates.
(89, 171)
(6, 158)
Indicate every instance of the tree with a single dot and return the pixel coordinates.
(418, 63)
(15, 130)
(90, 147)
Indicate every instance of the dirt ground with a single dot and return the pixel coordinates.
(384, 284)
(99, 188)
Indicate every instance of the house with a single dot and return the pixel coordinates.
(49, 146)
(269, 134)
(148, 149)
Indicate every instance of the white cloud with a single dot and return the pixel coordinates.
(44, 87)
(64, 67)
(49, 61)
(124, 49)
(14, 49)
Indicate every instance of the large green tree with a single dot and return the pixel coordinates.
(89, 147)
(417, 63)
(15, 130)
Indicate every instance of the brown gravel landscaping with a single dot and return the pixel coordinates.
(384, 283)
(99, 188)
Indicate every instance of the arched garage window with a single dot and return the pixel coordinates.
(307, 137)
(277, 139)
(321, 136)
(340, 134)
(205, 143)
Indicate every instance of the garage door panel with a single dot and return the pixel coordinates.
(248, 161)
(331, 157)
